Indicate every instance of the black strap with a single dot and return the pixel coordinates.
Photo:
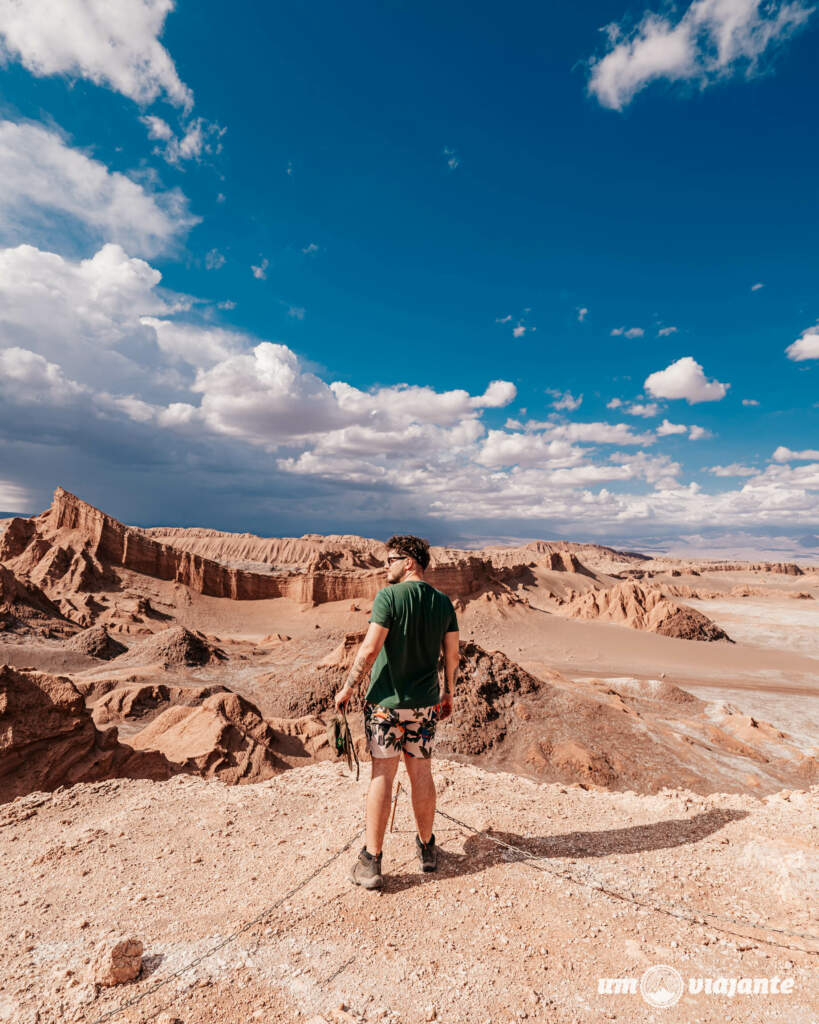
(348, 745)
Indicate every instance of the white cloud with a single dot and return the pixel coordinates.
(734, 469)
(783, 454)
(665, 429)
(198, 136)
(502, 448)
(749, 401)
(197, 346)
(696, 433)
(582, 313)
(260, 271)
(757, 286)
(453, 161)
(309, 249)
(614, 403)
(107, 377)
(712, 40)
(646, 409)
(498, 395)
(589, 433)
(628, 332)
(503, 319)
(685, 379)
(114, 43)
(43, 176)
(214, 260)
(664, 332)
(296, 312)
(83, 316)
(565, 400)
(226, 304)
(14, 498)
(519, 331)
(31, 378)
(805, 347)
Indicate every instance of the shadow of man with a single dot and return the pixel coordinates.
(482, 850)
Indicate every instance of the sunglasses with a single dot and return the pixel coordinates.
(395, 558)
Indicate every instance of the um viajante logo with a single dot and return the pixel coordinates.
(663, 986)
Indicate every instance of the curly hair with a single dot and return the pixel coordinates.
(415, 547)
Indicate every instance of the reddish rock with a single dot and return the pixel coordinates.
(48, 738)
(116, 964)
(225, 737)
(96, 642)
(633, 605)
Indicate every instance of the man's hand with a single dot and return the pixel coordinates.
(343, 696)
(446, 706)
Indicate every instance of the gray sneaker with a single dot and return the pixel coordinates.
(427, 853)
(366, 870)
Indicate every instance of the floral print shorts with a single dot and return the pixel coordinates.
(391, 731)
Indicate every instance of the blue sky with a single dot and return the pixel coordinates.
(260, 268)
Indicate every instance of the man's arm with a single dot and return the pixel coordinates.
(451, 660)
(365, 657)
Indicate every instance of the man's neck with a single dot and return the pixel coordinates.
(412, 576)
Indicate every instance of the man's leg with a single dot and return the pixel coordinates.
(379, 798)
(419, 770)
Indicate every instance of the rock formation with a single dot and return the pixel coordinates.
(139, 702)
(48, 738)
(641, 608)
(224, 737)
(25, 608)
(172, 647)
(96, 642)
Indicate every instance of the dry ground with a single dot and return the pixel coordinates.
(181, 864)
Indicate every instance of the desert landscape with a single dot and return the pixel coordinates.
(630, 778)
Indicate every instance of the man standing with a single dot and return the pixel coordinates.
(411, 623)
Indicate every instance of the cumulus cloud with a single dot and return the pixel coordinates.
(664, 332)
(734, 469)
(646, 409)
(260, 271)
(565, 400)
(696, 433)
(197, 138)
(310, 248)
(783, 454)
(44, 177)
(614, 403)
(582, 313)
(114, 43)
(453, 161)
(805, 347)
(628, 332)
(108, 379)
(749, 401)
(685, 379)
(84, 315)
(214, 259)
(757, 286)
(666, 428)
(713, 39)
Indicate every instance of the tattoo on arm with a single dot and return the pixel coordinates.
(361, 666)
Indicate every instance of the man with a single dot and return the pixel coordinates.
(411, 622)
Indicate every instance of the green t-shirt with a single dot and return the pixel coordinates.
(405, 673)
